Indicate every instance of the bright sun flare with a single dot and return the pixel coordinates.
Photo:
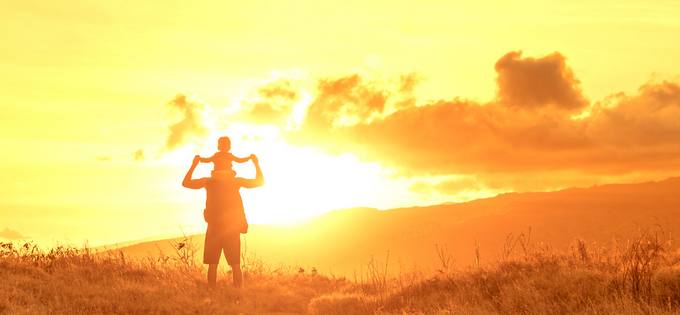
(299, 182)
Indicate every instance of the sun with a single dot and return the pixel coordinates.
(302, 182)
(299, 182)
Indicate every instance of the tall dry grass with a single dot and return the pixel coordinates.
(636, 276)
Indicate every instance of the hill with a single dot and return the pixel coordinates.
(345, 240)
(641, 277)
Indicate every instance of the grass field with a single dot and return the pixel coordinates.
(635, 276)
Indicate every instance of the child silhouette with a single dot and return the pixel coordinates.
(222, 158)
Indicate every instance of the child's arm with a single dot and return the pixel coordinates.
(241, 160)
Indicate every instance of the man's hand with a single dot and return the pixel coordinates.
(258, 180)
(193, 183)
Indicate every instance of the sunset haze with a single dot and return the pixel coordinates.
(346, 103)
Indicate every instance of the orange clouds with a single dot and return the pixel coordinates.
(638, 132)
(103, 158)
(536, 83)
(449, 186)
(139, 156)
(192, 124)
(273, 104)
(342, 104)
(336, 100)
(540, 128)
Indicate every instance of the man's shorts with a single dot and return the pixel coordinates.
(218, 241)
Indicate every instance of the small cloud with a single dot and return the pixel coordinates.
(139, 156)
(449, 186)
(533, 83)
(19, 184)
(103, 158)
(373, 61)
(192, 126)
(12, 234)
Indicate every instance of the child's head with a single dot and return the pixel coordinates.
(224, 144)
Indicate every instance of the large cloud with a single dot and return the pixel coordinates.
(540, 132)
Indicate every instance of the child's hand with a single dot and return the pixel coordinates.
(197, 158)
(252, 156)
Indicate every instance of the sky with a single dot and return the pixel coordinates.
(346, 103)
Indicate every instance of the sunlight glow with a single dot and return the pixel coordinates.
(104, 106)
(301, 182)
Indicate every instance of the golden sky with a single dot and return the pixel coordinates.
(347, 103)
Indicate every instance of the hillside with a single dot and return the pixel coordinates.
(345, 240)
(641, 277)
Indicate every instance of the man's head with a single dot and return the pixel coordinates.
(224, 144)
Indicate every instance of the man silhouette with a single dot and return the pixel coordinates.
(225, 216)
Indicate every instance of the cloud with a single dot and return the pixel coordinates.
(193, 124)
(461, 137)
(464, 137)
(539, 132)
(334, 100)
(449, 186)
(139, 156)
(273, 102)
(343, 102)
(536, 83)
(12, 234)
(189, 123)
(373, 61)
(103, 158)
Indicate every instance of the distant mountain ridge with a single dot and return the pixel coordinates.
(344, 240)
(159, 237)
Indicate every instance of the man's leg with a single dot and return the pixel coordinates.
(212, 250)
(212, 275)
(238, 276)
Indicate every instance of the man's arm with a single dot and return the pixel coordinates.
(193, 183)
(259, 178)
